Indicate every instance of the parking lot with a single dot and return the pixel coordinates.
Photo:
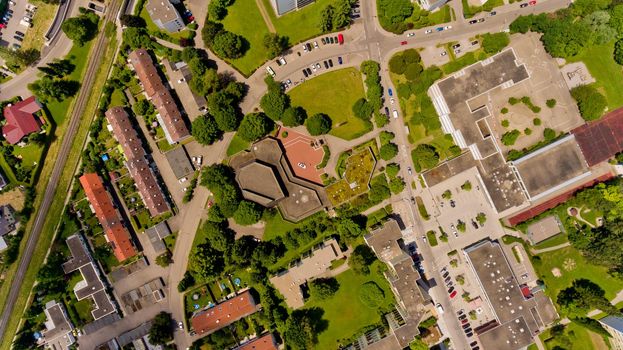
(16, 20)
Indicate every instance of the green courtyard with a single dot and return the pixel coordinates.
(355, 179)
(334, 94)
(345, 313)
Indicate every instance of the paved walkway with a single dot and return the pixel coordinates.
(550, 249)
(265, 16)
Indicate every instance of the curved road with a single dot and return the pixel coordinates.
(59, 166)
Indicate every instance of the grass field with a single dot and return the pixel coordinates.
(298, 25)
(573, 266)
(34, 38)
(56, 209)
(334, 94)
(244, 18)
(345, 313)
(277, 226)
(579, 338)
(607, 73)
(237, 145)
(422, 18)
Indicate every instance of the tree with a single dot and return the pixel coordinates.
(161, 331)
(293, 116)
(388, 151)
(510, 137)
(216, 10)
(521, 24)
(550, 103)
(274, 44)
(397, 64)
(274, 103)
(618, 52)
(616, 18)
(481, 218)
(165, 259)
(254, 126)
(206, 262)
(392, 170)
(142, 107)
(241, 253)
(590, 101)
(58, 68)
(137, 38)
(218, 234)
(341, 14)
(19, 58)
(209, 32)
(323, 288)
(318, 124)
(361, 258)
(300, 331)
(371, 295)
(205, 130)
(583, 296)
(187, 281)
(132, 21)
(466, 186)
(393, 13)
(48, 89)
(81, 29)
(349, 230)
(493, 43)
(228, 45)
(221, 107)
(549, 134)
(248, 213)
(598, 23)
(396, 185)
(362, 109)
(326, 19)
(425, 156)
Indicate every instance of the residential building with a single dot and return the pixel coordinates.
(405, 281)
(614, 326)
(289, 282)
(116, 233)
(21, 120)
(139, 167)
(265, 342)
(179, 75)
(224, 314)
(91, 285)
(164, 15)
(284, 6)
(58, 328)
(168, 113)
(7, 219)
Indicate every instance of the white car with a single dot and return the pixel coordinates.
(447, 27)
(391, 100)
(395, 114)
(410, 35)
(428, 31)
(443, 54)
(302, 165)
(315, 44)
(439, 308)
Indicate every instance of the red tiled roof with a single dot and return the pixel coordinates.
(601, 139)
(266, 342)
(224, 314)
(109, 218)
(20, 120)
(172, 120)
(137, 164)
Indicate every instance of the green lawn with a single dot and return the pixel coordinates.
(118, 98)
(237, 145)
(345, 313)
(579, 338)
(277, 226)
(30, 153)
(579, 268)
(422, 18)
(244, 18)
(334, 94)
(553, 241)
(607, 73)
(298, 25)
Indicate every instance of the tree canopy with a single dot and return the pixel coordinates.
(425, 156)
(161, 331)
(81, 29)
(205, 130)
(318, 124)
(584, 296)
(248, 213)
(221, 106)
(274, 44)
(361, 258)
(228, 45)
(493, 43)
(323, 288)
(254, 126)
(294, 116)
(591, 102)
(206, 262)
(388, 151)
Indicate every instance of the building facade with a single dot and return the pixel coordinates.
(164, 15)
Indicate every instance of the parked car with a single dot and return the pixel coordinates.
(474, 224)
(456, 46)
(474, 343)
(305, 73)
(454, 230)
(465, 326)
(395, 114)
(309, 47)
(330, 62)
(387, 111)
(439, 29)
(523, 5)
(428, 31)
(409, 170)
(464, 321)
(326, 64)
(473, 21)
(19, 33)
(475, 42)
(446, 274)
(403, 42)
(493, 13)
(309, 72)
(340, 38)
(443, 53)
(315, 44)
(439, 308)
(532, 3)
(323, 41)
(452, 203)
(391, 100)
(18, 38)
(410, 35)
(453, 294)
(339, 60)
(390, 92)
(480, 20)
(447, 27)
(331, 40)
(313, 66)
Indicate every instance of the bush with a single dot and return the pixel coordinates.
(504, 110)
(413, 70)
(527, 131)
(590, 101)
(393, 13)
(549, 134)
(513, 101)
(493, 43)
(397, 64)
(371, 295)
(618, 52)
(505, 123)
(551, 103)
(164, 259)
(510, 137)
(536, 121)
(323, 288)
(467, 186)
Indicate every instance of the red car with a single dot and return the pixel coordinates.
(340, 39)
(403, 43)
(453, 294)
(532, 3)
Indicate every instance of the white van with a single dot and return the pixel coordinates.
(270, 71)
(395, 114)
(439, 308)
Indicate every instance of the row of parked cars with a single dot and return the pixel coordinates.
(316, 66)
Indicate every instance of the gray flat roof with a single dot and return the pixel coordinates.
(550, 168)
(179, 162)
(514, 334)
(543, 229)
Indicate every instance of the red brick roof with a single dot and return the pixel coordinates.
(172, 121)
(224, 314)
(109, 218)
(266, 342)
(20, 120)
(137, 164)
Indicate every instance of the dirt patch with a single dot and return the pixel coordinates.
(598, 341)
(14, 197)
(255, 230)
(556, 272)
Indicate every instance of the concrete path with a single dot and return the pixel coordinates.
(550, 249)
(265, 16)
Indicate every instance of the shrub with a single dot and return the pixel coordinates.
(318, 124)
(397, 64)
(510, 137)
(467, 186)
(413, 70)
(505, 123)
(527, 131)
(536, 121)
(513, 101)
(590, 101)
(504, 110)
(549, 134)
(493, 43)
(551, 103)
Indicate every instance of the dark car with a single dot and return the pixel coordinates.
(473, 21)
(19, 33)
(331, 40)
(462, 317)
(387, 111)
(309, 71)
(465, 326)
(330, 63)
(309, 47)
(469, 334)
(18, 38)
(493, 13)
(452, 203)
(412, 200)
(305, 73)
(339, 60)
(445, 275)
(336, 40)
(523, 5)
(323, 41)
(474, 224)
(450, 290)
(456, 46)
(474, 343)
(467, 330)
(326, 65)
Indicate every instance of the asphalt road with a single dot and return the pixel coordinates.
(59, 166)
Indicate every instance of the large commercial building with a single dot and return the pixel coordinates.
(164, 15)
(168, 113)
(520, 313)
(224, 314)
(108, 216)
(139, 167)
